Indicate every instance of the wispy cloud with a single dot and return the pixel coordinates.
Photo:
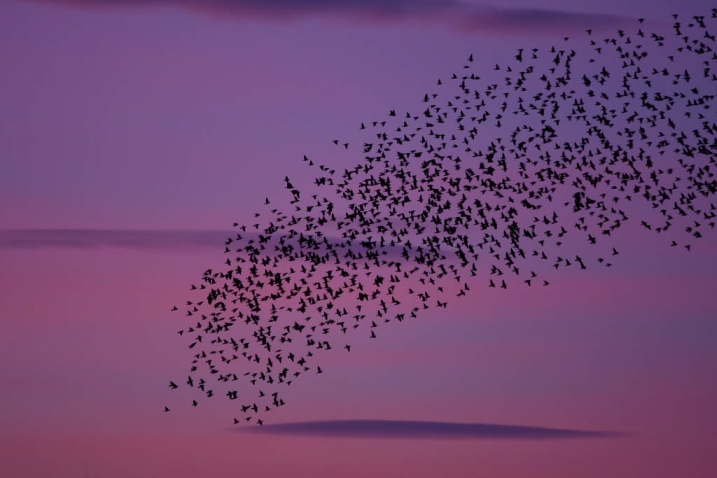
(535, 20)
(423, 429)
(451, 13)
(93, 238)
(149, 239)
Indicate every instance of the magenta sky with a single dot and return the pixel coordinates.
(185, 116)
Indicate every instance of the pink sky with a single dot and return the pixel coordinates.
(186, 117)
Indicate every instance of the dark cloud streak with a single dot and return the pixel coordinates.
(139, 239)
(536, 20)
(423, 429)
(123, 238)
(454, 14)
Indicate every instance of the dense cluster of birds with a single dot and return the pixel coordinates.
(431, 211)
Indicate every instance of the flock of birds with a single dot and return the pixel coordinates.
(430, 212)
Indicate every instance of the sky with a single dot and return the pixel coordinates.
(134, 134)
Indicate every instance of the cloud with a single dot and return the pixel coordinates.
(148, 239)
(536, 20)
(454, 14)
(423, 429)
(93, 238)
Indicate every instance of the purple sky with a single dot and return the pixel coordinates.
(148, 131)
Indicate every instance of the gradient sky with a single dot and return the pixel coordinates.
(185, 115)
